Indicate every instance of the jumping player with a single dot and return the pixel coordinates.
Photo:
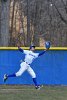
(30, 55)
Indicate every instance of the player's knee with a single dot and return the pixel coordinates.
(18, 74)
(34, 75)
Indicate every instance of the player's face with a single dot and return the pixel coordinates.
(32, 49)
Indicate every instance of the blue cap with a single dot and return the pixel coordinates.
(32, 46)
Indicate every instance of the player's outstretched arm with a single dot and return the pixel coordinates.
(21, 50)
(42, 52)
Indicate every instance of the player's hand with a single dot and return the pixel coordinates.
(47, 49)
(18, 46)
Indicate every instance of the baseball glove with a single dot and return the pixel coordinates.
(47, 44)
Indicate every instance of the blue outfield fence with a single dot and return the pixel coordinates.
(50, 68)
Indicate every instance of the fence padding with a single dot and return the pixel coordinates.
(50, 68)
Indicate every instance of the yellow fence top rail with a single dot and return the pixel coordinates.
(37, 48)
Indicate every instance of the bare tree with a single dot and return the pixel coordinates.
(60, 13)
(38, 20)
(5, 35)
(12, 19)
(0, 17)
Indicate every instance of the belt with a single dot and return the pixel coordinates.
(26, 62)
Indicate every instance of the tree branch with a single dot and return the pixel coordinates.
(61, 17)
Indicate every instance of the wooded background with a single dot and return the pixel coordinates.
(33, 21)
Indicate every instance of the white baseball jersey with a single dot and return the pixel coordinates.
(30, 56)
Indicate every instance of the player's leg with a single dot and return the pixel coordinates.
(33, 75)
(23, 67)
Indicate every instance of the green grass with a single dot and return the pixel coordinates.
(25, 92)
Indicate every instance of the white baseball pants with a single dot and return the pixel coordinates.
(25, 67)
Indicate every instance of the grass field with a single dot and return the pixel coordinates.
(25, 92)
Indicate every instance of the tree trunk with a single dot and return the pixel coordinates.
(0, 17)
(28, 24)
(12, 19)
(5, 23)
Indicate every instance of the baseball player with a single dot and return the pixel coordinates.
(30, 55)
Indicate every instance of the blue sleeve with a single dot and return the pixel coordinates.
(21, 50)
(42, 53)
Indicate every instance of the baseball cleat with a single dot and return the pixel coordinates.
(5, 77)
(38, 87)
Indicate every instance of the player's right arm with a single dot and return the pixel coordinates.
(23, 51)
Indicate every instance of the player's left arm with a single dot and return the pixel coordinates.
(42, 52)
